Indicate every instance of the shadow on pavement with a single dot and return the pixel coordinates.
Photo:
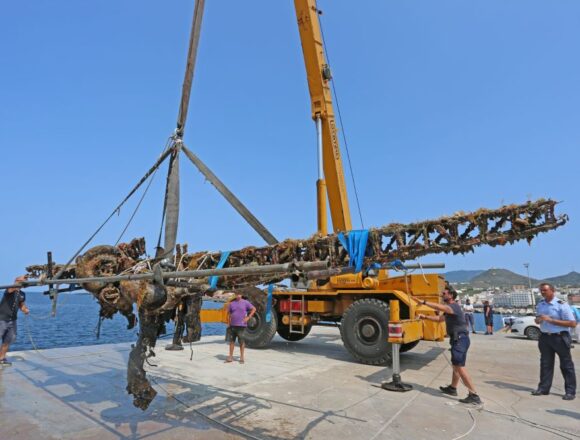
(510, 386)
(565, 413)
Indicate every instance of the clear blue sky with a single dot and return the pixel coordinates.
(448, 106)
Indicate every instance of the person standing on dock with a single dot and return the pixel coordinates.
(556, 319)
(240, 311)
(459, 339)
(12, 300)
(468, 312)
(488, 317)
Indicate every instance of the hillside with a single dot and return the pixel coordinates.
(500, 278)
(461, 276)
(496, 277)
(570, 279)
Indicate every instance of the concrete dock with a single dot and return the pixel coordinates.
(311, 389)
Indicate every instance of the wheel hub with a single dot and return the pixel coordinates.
(369, 330)
(253, 323)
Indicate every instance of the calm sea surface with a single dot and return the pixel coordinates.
(76, 321)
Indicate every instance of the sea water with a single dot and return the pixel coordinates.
(75, 323)
(77, 317)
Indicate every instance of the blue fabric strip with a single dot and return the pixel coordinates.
(355, 243)
(397, 265)
(269, 303)
(214, 279)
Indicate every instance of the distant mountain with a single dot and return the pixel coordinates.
(461, 276)
(496, 277)
(570, 279)
(500, 278)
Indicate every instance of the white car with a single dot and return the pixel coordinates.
(576, 332)
(526, 326)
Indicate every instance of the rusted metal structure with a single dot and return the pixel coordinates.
(119, 277)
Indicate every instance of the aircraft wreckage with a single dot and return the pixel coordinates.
(121, 277)
(159, 287)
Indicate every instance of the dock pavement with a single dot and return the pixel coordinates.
(310, 389)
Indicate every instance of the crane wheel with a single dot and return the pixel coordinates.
(364, 331)
(284, 332)
(259, 332)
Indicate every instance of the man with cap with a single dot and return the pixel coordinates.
(12, 300)
(556, 319)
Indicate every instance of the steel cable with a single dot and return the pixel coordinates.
(341, 125)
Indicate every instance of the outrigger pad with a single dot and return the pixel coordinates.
(396, 385)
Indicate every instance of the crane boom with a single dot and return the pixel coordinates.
(318, 74)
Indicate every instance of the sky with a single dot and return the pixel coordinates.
(447, 106)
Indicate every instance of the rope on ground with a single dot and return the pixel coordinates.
(417, 394)
(547, 428)
(211, 419)
(514, 417)
(153, 379)
(470, 429)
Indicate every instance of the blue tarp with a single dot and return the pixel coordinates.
(214, 279)
(269, 303)
(355, 243)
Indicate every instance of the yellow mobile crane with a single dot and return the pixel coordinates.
(364, 304)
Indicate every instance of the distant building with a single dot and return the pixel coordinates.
(516, 299)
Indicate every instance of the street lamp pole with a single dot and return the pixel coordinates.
(527, 266)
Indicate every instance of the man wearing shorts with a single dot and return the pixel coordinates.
(12, 300)
(459, 339)
(240, 311)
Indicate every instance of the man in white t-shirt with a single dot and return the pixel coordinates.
(468, 312)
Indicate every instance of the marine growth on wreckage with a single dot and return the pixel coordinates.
(159, 287)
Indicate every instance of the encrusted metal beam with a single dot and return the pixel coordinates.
(111, 273)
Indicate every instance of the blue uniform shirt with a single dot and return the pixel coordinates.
(556, 309)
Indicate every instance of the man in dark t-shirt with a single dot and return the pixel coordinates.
(458, 337)
(488, 316)
(12, 300)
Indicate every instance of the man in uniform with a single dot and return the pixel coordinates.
(556, 320)
(12, 300)
(459, 339)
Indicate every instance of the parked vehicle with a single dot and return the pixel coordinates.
(526, 326)
(576, 331)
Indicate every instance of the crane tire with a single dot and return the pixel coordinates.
(364, 331)
(284, 332)
(259, 332)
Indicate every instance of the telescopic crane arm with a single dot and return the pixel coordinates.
(331, 174)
